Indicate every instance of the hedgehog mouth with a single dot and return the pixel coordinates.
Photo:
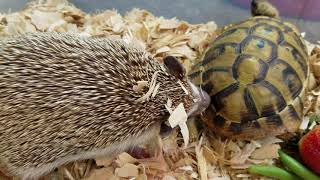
(201, 101)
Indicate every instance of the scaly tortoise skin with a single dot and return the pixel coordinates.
(256, 73)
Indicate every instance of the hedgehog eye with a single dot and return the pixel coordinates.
(175, 67)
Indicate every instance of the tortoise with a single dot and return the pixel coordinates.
(256, 73)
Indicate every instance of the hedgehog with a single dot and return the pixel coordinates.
(66, 97)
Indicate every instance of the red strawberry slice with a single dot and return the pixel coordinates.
(309, 147)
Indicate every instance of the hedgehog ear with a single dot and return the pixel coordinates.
(175, 67)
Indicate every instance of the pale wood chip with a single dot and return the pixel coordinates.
(240, 166)
(153, 165)
(185, 133)
(269, 140)
(162, 50)
(141, 177)
(43, 20)
(152, 86)
(316, 68)
(268, 151)
(104, 161)
(168, 177)
(209, 155)
(169, 23)
(304, 123)
(232, 146)
(69, 175)
(179, 40)
(185, 162)
(140, 86)
(139, 31)
(125, 158)
(312, 82)
(194, 175)
(259, 161)
(127, 170)
(219, 146)
(197, 38)
(155, 91)
(220, 178)
(217, 172)
(313, 124)
(186, 168)
(102, 174)
(183, 87)
(316, 91)
(179, 117)
(317, 105)
(241, 157)
(161, 41)
(183, 51)
(202, 164)
(55, 25)
(116, 22)
(168, 106)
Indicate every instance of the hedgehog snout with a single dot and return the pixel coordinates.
(201, 100)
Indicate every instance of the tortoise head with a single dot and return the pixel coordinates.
(263, 8)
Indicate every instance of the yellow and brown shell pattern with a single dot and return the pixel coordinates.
(256, 73)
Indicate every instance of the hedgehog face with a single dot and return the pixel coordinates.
(201, 99)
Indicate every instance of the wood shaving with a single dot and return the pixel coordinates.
(104, 161)
(186, 168)
(179, 118)
(162, 50)
(268, 151)
(304, 123)
(140, 86)
(242, 156)
(313, 124)
(202, 163)
(127, 170)
(155, 91)
(45, 20)
(169, 23)
(270, 140)
(125, 158)
(168, 106)
(152, 86)
(102, 174)
(168, 177)
(183, 88)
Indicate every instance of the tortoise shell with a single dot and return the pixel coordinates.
(256, 73)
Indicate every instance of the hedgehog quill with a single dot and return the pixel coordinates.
(66, 97)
